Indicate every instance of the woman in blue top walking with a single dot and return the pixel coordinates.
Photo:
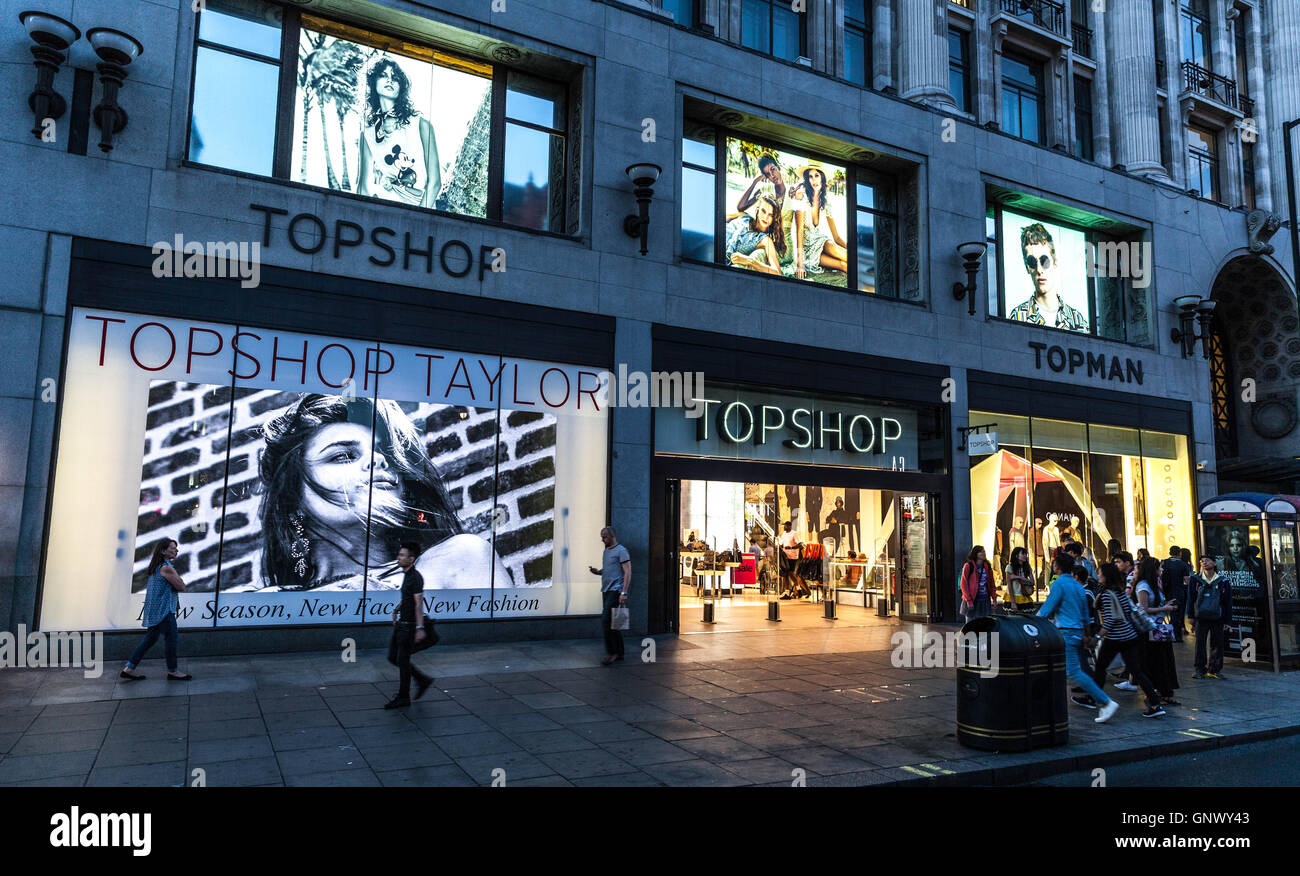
(160, 612)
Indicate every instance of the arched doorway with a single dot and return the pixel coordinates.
(1256, 336)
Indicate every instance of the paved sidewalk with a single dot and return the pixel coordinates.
(707, 712)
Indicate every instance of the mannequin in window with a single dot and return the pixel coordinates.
(1013, 538)
(792, 505)
(1073, 532)
(1051, 537)
(813, 498)
(853, 513)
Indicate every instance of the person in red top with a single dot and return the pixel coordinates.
(978, 589)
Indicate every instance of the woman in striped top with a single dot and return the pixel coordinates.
(1118, 636)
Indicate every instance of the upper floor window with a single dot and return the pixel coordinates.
(1203, 162)
(959, 67)
(1248, 174)
(772, 26)
(761, 207)
(362, 112)
(1083, 118)
(1022, 98)
(1195, 32)
(1239, 49)
(236, 78)
(683, 11)
(857, 41)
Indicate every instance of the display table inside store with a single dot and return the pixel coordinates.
(705, 577)
(869, 587)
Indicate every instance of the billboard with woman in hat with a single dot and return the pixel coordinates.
(808, 198)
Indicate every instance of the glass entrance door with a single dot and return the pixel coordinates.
(915, 556)
(672, 555)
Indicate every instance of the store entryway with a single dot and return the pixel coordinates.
(824, 555)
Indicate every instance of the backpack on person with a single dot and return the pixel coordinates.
(1209, 604)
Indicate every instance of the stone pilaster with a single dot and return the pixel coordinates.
(882, 46)
(1101, 140)
(1258, 91)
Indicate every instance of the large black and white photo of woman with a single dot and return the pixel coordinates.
(411, 128)
(271, 491)
(399, 152)
(332, 508)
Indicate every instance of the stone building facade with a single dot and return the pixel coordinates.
(1144, 122)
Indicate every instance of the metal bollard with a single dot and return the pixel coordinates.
(882, 607)
(774, 611)
(708, 613)
(829, 605)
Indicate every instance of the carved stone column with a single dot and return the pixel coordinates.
(1130, 38)
(923, 52)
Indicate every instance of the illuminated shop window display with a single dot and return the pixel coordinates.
(1052, 482)
(290, 467)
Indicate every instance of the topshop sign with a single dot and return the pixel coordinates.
(777, 427)
(739, 423)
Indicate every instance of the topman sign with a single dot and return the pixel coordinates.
(740, 423)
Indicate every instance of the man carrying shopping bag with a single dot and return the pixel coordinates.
(615, 578)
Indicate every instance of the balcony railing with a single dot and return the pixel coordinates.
(1160, 72)
(1082, 37)
(1044, 13)
(1246, 105)
(1220, 89)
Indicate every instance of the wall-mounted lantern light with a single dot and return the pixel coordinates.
(972, 254)
(116, 51)
(643, 178)
(52, 36)
(1193, 309)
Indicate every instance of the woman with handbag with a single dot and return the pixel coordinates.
(978, 589)
(1158, 645)
(1120, 634)
(408, 629)
(1019, 578)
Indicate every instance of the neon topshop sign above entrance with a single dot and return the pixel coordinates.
(737, 423)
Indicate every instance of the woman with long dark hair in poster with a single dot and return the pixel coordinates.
(761, 233)
(399, 153)
(332, 508)
(817, 237)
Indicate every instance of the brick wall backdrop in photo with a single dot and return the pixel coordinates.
(184, 467)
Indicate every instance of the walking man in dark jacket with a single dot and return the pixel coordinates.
(1173, 581)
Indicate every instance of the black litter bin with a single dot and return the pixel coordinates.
(1023, 706)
